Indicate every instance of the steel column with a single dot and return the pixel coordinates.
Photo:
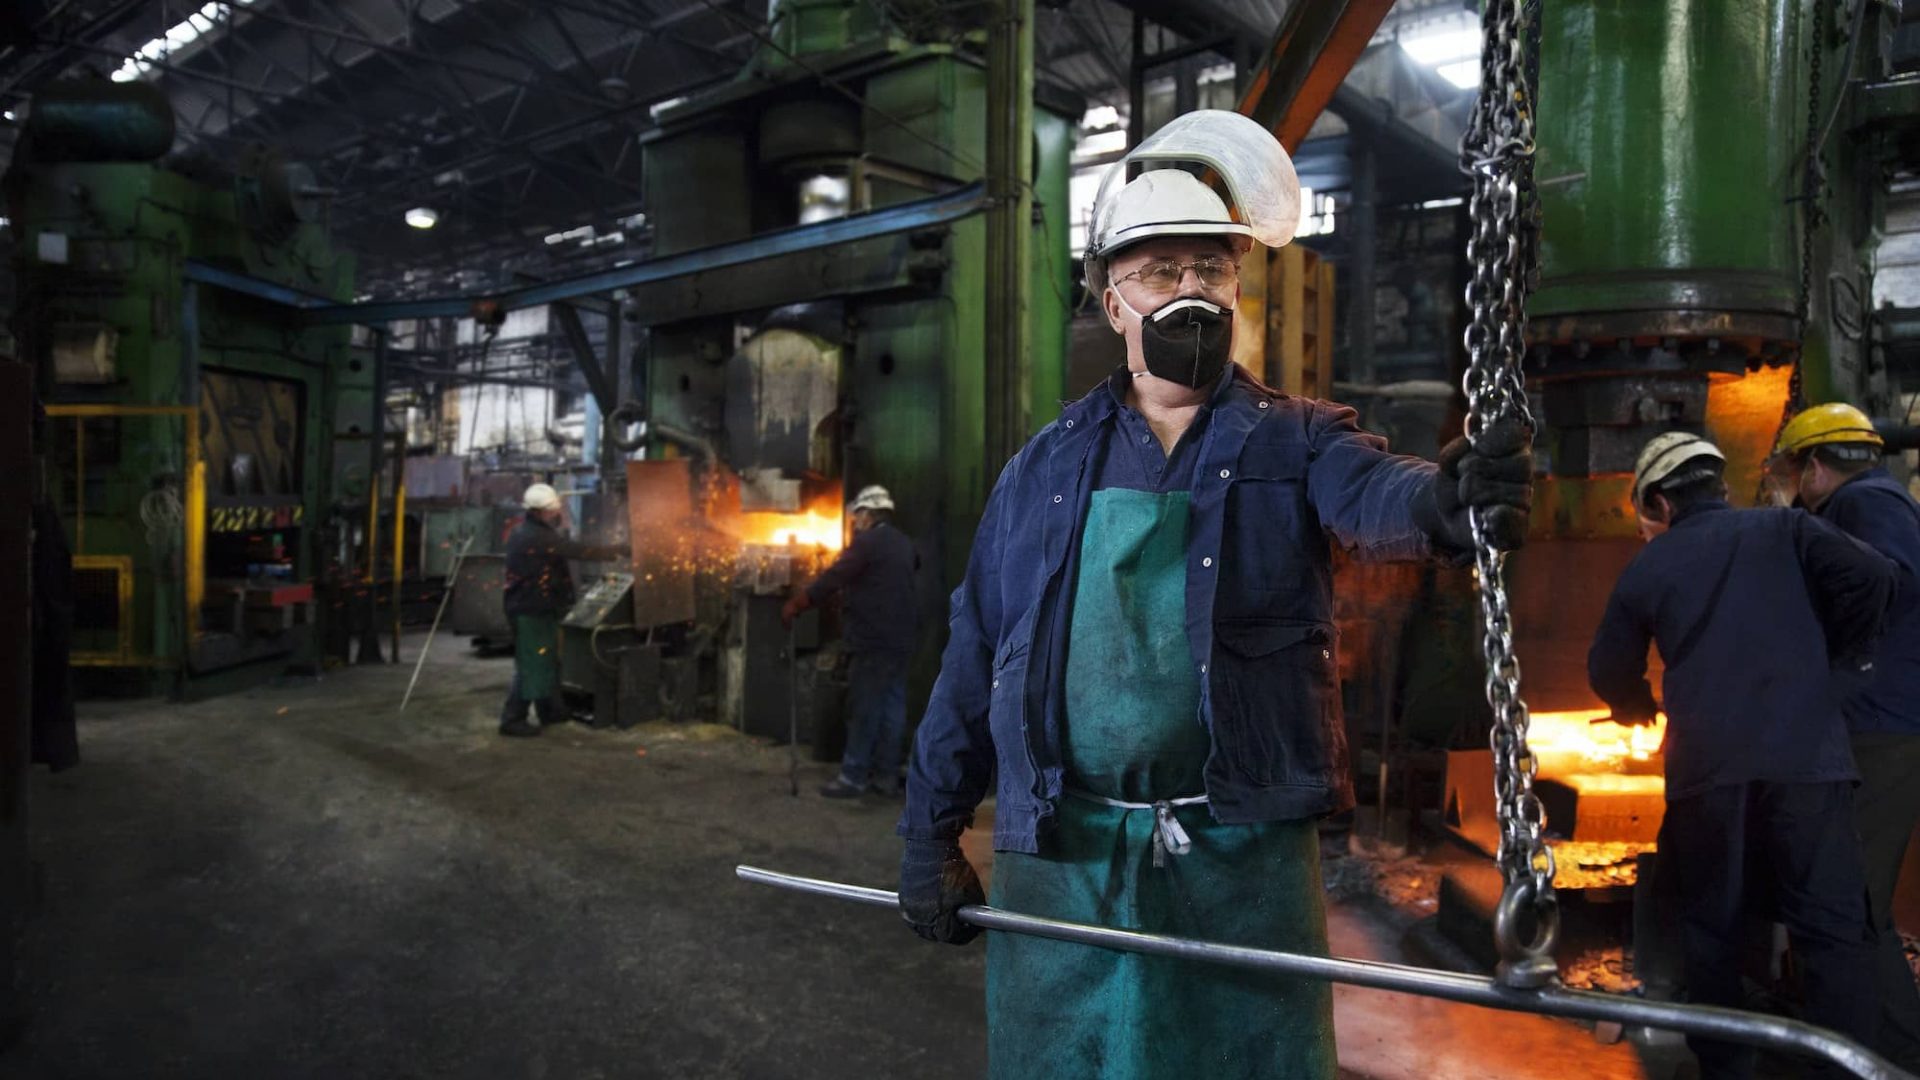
(1009, 226)
(1360, 265)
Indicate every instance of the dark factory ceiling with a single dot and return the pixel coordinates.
(516, 121)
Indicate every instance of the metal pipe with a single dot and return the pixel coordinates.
(453, 579)
(399, 543)
(1735, 1025)
(613, 459)
(684, 439)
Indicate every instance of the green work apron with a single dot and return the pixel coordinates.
(536, 656)
(1059, 1010)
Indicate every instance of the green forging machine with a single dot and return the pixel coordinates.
(198, 444)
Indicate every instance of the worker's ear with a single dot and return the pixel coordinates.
(1658, 508)
(1110, 303)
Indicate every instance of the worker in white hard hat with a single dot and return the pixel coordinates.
(537, 591)
(1829, 459)
(875, 573)
(1141, 656)
(1762, 617)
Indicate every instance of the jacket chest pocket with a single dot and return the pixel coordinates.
(1276, 711)
(1270, 537)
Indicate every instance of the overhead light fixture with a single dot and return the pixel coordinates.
(423, 217)
(1449, 46)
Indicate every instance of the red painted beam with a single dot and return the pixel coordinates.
(1317, 45)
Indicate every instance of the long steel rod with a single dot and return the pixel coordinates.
(453, 578)
(1733, 1025)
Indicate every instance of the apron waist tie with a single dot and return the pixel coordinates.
(1168, 835)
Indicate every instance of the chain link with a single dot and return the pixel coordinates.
(1497, 152)
(1812, 188)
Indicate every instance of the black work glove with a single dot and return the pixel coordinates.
(936, 881)
(1497, 477)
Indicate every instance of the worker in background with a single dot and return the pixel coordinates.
(1828, 457)
(1142, 652)
(1754, 612)
(538, 591)
(876, 573)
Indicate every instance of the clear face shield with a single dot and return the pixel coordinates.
(1261, 184)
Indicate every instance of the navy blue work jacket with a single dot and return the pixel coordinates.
(876, 572)
(1875, 508)
(1753, 612)
(1274, 476)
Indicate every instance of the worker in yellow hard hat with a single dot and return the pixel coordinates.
(1828, 459)
(1753, 612)
(1820, 449)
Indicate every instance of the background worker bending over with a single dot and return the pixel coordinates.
(1750, 609)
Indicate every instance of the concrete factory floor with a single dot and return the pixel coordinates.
(300, 881)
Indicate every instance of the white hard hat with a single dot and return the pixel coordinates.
(1665, 454)
(1166, 202)
(541, 497)
(872, 497)
(1250, 162)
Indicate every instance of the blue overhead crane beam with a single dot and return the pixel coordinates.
(316, 310)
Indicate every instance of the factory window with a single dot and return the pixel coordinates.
(1316, 213)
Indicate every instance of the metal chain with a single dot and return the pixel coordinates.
(1812, 186)
(1497, 152)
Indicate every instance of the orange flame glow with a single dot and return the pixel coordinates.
(1584, 741)
(810, 528)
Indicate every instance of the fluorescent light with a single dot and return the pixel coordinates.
(1441, 46)
(1465, 74)
(178, 36)
(423, 217)
(10, 115)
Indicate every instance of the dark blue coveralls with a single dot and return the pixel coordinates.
(880, 626)
(1761, 616)
(1884, 720)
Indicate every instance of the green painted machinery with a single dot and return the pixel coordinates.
(841, 114)
(196, 442)
(1688, 260)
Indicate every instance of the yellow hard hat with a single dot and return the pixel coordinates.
(1664, 455)
(1822, 425)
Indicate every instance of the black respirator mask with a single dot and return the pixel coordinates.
(1187, 341)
